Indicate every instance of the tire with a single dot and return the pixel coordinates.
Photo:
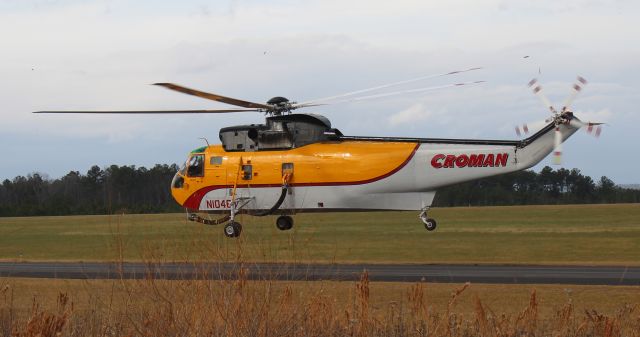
(284, 222)
(430, 224)
(232, 229)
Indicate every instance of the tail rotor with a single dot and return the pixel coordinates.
(564, 116)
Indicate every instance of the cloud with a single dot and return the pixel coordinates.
(414, 113)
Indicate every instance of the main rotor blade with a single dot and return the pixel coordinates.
(219, 98)
(410, 91)
(149, 112)
(306, 105)
(384, 86)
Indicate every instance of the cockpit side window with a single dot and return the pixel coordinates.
(195, 167)
(216, 160)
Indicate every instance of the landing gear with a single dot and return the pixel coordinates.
(429, 223)
(232, 229)
(284, 222)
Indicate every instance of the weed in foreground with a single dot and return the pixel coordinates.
(242, 307)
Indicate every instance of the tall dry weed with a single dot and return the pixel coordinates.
(44, 324)
(240, 307)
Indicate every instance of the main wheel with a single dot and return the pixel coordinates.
(284, 222)
(430, 224)
(232, 229)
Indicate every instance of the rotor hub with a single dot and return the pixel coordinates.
(278, 101)
(279, 105)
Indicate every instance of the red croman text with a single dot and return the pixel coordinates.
(472, 160)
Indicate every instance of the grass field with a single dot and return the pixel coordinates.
(575, 234)
(585, 234)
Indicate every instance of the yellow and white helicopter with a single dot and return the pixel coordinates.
(298, 162)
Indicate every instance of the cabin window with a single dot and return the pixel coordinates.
(196, 166)
(215, 160)
(247, 172)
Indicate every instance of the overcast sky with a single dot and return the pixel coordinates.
(66, 55)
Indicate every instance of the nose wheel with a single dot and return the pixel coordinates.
(429, 223)
(284, 222)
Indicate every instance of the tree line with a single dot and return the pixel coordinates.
(99, 191)
(548, 186)
(140, 190)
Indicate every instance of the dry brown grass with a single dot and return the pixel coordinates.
(241, 307)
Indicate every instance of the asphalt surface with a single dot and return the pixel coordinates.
(507, 274)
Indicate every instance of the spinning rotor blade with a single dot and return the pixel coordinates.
(537, 90)
(577, 87)
(598, 130)
(384, 86)
(557, 147)
(409, 91)
(150, 112)
(593, 129)
(525, 130)
(223, 99)
(530, 127)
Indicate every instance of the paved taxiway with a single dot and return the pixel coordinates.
(514, 274)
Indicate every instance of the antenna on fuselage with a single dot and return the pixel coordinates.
(205, 140)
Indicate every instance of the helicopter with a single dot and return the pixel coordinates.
(297, 162)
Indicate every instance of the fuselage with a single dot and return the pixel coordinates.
(350, 173)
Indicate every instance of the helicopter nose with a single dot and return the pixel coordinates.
(178, 188)
(178, 181)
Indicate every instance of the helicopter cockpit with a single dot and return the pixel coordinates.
(192, 168)
(279, 133)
